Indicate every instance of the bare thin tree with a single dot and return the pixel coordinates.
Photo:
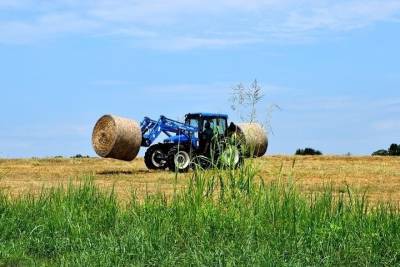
(246, 100)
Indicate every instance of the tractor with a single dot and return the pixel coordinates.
(204, 140)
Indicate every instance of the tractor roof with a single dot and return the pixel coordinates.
(209, 115)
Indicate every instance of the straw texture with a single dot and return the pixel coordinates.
(254, 138)
(117, 138)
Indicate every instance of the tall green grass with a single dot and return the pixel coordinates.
(223, 218)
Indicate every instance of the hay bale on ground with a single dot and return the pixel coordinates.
(117, 138)
(254, 139)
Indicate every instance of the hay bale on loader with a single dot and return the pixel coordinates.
(117, 138)
(253, 138)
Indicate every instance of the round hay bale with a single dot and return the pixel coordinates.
(254, 138)
(117, 138)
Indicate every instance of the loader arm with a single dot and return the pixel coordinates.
(151, 129)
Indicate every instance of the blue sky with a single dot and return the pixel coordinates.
(332, 66)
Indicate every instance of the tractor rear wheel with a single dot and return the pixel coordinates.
(179, 159)
(231, 157)
(155, 157)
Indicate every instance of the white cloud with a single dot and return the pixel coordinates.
(188, 24)
(45, 26)
(185, 43)
(343, 16)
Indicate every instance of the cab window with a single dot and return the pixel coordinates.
(218, 125)
(221, 126)
(194, 123)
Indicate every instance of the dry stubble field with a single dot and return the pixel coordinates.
(378, 176)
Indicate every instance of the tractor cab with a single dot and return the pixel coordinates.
(218, 122)
(209, 126)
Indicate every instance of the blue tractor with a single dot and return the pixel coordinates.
(203, 139)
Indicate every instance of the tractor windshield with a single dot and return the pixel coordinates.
(193, 122)
(218, 125)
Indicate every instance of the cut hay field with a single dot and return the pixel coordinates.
(379, 177)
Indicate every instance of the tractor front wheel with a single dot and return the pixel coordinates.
(155, 157)
(178, 159)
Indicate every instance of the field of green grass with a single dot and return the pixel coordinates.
(223, 218)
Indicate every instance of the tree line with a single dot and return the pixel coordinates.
(393, 150)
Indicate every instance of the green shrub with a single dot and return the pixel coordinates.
(308, 151)
(380, 152)
(79, 156)
(394, 150)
